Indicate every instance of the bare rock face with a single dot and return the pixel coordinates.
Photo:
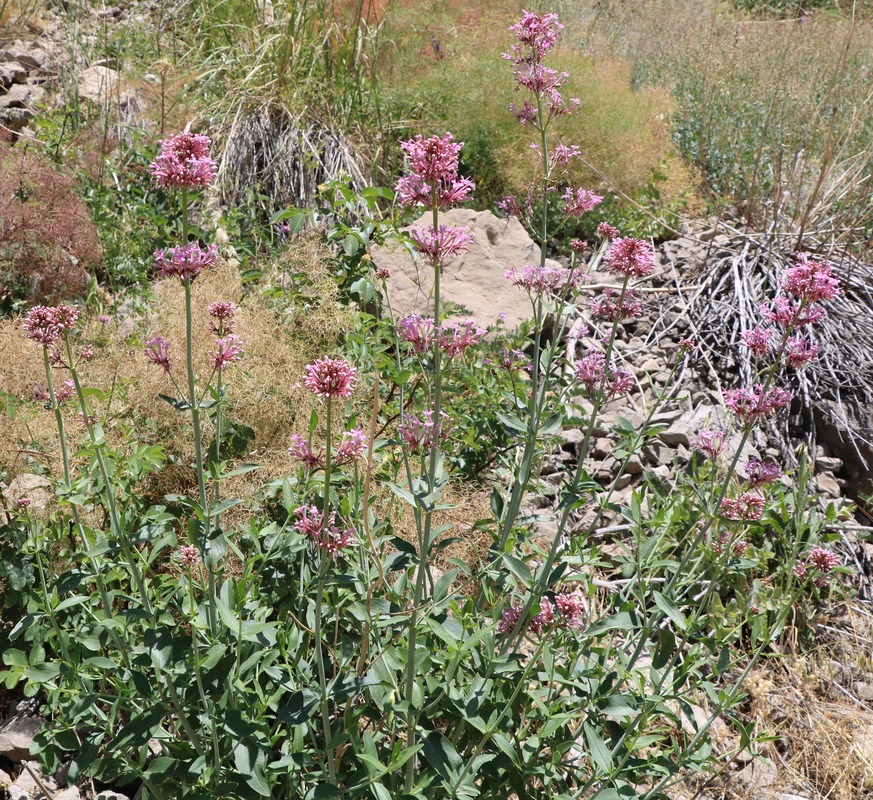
(473, 283)
(98, 83)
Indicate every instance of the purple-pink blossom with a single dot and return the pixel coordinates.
(762, 472)
(456, 337)
(562, 154)
(630, 257)
(613, 306)
(571, 607)
(433, 168)
(537, 34)
(46, 324)
(758, 340)
(607, 231)
(352, 447)
(184, 161)
(420, 332)
(752, 404)
(721, 544)
(790, 316)
(580, 202)
(748, 507)
(228, 350)
(185, 262)
(421, 433)
(799, 352)
(811, 281)
(157, 351)
(441, 244)
(325, 533)
(330, 377)
(538, 280)
(302, 451)
(222, 311)
(189, 556)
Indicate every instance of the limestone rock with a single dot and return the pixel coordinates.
(17, 96)
(35, 487)
(12, 72)
(16, 736)
(472, 282)
(27, 55)
(71, 793)
(98, 83)
(107, 794)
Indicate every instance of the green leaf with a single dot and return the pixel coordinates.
(250, 762)
(380, 792)
(619, 622)
(159, 643)
(351, 244)
(597, 749)
(664, 649)
(669, 608)
(440, 753)
(179, 405)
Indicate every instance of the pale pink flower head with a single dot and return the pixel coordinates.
(65, 392)
(41, 325)
(184, 161)
(23, 503)
(589, 370)
(537, 34)
(441, 244)
(513, 360)
(222, 311)
(456, 337)
(762, 472)
(330, 377)
(66, 317)
(383, 273)
(301, 451)
(185, 262)
(790, 316)
(613, 307)
(158, 352)
(509, 619)
(325, 533)
(422, 433)
(537, 280)
(420, 332)
(748, 507)
(630, 257)
(580, 202)
(687, 344)
(799, 352)
(228, 350)
(563, 154)
(545, 618)
(823, 560)
(433, 178)
(811, 281)
(104, 319)
(189, 556)
(570, 607)
(86, 353)
(723, 543)
(621, 381)
(710, 441)
(752, 404)
(607, 231)
(352, 448)
(578, 246)
(758, 340)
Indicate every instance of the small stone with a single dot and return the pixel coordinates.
(71, 793)
(602, 448)
(12, 72)
(657, 454)
(634, 466)
(35, 487)
(663, 472)
(5, 779)
(827, 483)
(107, 794)
(828, 464)
(17, 96)
(28, 56)
(17, 735)
(650, 366)
(623, 481)
(677, 435)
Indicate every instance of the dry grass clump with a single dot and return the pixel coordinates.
(265, 389)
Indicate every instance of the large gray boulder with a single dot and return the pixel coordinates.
(473, 283)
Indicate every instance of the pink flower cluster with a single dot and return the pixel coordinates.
(185, 262)
(330, 377)
(536, 280)
(441, 244)
(710, 441)
(512, 360)
(537, 34)
(632, 258)
(748, 507)
(158, 352)
(592, 372)
(810, 281)
(607, 231)
(613, 307)
(61, 395)
(513, 207)
(421, 433)
(184, 161)
(566, 612)
(228, 350)
(723, 542)
(580, 202)
(222, 311)
(563, 154)
(46, 324)
(762, 472)
(433, 179)
(325, 533)
(352, 448)
(818, 562)
(453, 338)
(189, 556)
(752, 404)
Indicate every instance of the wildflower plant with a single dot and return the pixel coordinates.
(315, 653)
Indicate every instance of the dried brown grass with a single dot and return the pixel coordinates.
(265, 389)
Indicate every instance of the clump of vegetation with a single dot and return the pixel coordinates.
(49, 246)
